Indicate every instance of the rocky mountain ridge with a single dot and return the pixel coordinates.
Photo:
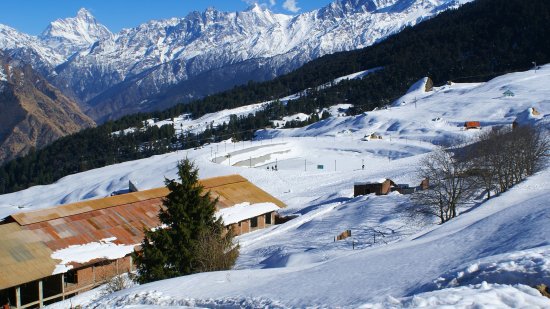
(115, 74)
(34, 113)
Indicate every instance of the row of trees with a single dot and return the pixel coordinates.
(495, 162)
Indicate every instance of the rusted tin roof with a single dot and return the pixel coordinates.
(25, 218)
(236, 190)
(472, 124)
(23, 257)
(125, 222)
(231, 190)
(41, 232)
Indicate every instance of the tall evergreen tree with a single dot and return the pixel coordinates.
(188, 215)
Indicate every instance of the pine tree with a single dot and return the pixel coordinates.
(188, 219)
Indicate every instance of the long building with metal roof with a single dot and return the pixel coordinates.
(50, 254)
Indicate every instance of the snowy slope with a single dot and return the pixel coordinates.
(407, 131)
(512, 224)
(388, 259)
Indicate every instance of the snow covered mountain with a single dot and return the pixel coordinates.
(70, 35)
(59, 41)
(123, 73)
(29, 49)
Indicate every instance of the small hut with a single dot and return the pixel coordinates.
(472, 125)
(429, 85)
(424, 184)
(508, 93)
(378, 187)
(371, 136)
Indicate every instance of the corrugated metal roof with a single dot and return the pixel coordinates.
(23, 257)
(124, 216)
(25, 218)
(231, 190)
(126, 222)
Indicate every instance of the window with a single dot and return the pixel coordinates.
(268, 218)
(254, 222)
(71, 277)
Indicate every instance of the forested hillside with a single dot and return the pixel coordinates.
(474, 43)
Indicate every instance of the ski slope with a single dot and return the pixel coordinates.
(489, 256)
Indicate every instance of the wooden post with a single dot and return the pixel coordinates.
(63, 286)
(40, 294)
(18, 297)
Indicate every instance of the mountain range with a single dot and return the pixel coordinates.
(163, 62)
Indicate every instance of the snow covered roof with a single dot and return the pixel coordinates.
(371, 181)
(81, 254)
(244, 211)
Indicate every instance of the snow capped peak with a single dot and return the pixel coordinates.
(69, 35)
(85, 14)
(255, 7)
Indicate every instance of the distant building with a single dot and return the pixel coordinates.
(425, 184)
(407, 189)
(404, 188)
(472, 125)
(50, 254)
(385, 186)
(371, 136)
(378, 187)
(508, 93)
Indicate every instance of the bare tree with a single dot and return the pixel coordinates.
(531, 149)
(215, 251)
(487, 163)
(449, 186)
(501, 158)
(117, 283)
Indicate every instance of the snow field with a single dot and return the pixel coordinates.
(503, 242)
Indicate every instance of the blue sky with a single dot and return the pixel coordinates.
(32, 16)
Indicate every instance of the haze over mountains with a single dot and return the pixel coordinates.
(164, 62)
